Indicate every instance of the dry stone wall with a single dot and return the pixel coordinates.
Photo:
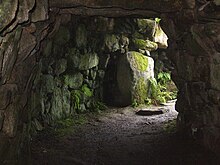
(193, 28)
(194, 38)
(21, 35)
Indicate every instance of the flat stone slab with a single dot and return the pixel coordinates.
(150, 112)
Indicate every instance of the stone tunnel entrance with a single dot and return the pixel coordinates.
(30, 53)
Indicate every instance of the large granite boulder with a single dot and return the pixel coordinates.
(133, 73)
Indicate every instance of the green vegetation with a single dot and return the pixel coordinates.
(160, 90)
(141, 91)
(67, 126)
(157, 20)
(98, 106)
(78, 98)
(134, 103)
(87, 91)
(145, 44)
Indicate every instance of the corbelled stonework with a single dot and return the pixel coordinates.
(193, 28)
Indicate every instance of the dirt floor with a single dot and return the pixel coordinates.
(121, 137)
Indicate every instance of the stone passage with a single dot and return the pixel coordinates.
(42, 55)
(93, 60)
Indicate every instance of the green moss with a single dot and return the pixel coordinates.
(76, 98)
(141, 90)
(87, 91)
(158, 90)
(67, 126)
(141, 61)
(88, 61)
(98, 106)
(157, 20)
(145, 44)
(146, 26)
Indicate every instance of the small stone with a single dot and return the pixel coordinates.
(93, 74)
(61, 66)
(111, 43)
(82, 108)
(145, 44)
(88, 61)
(66, 101)
(73, 57)
(74, 81)
(37, 125)
(56, 110)
(147, 27)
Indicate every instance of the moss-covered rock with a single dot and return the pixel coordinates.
(60, 67)
(140, 61)
(66, 102)
(73, 58)
(147, 27)
(111, 43)
(140, 94)
(145, 44)
(133, 73)
(56, 110)
(73, 81)
(88, 61)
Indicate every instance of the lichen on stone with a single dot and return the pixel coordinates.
(145, 44)
(88, 61)
(141, 61)
(141, 89)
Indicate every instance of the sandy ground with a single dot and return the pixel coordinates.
(120, 137)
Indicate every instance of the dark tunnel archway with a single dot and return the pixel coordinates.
(192, 27)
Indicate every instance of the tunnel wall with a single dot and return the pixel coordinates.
(193, 28)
